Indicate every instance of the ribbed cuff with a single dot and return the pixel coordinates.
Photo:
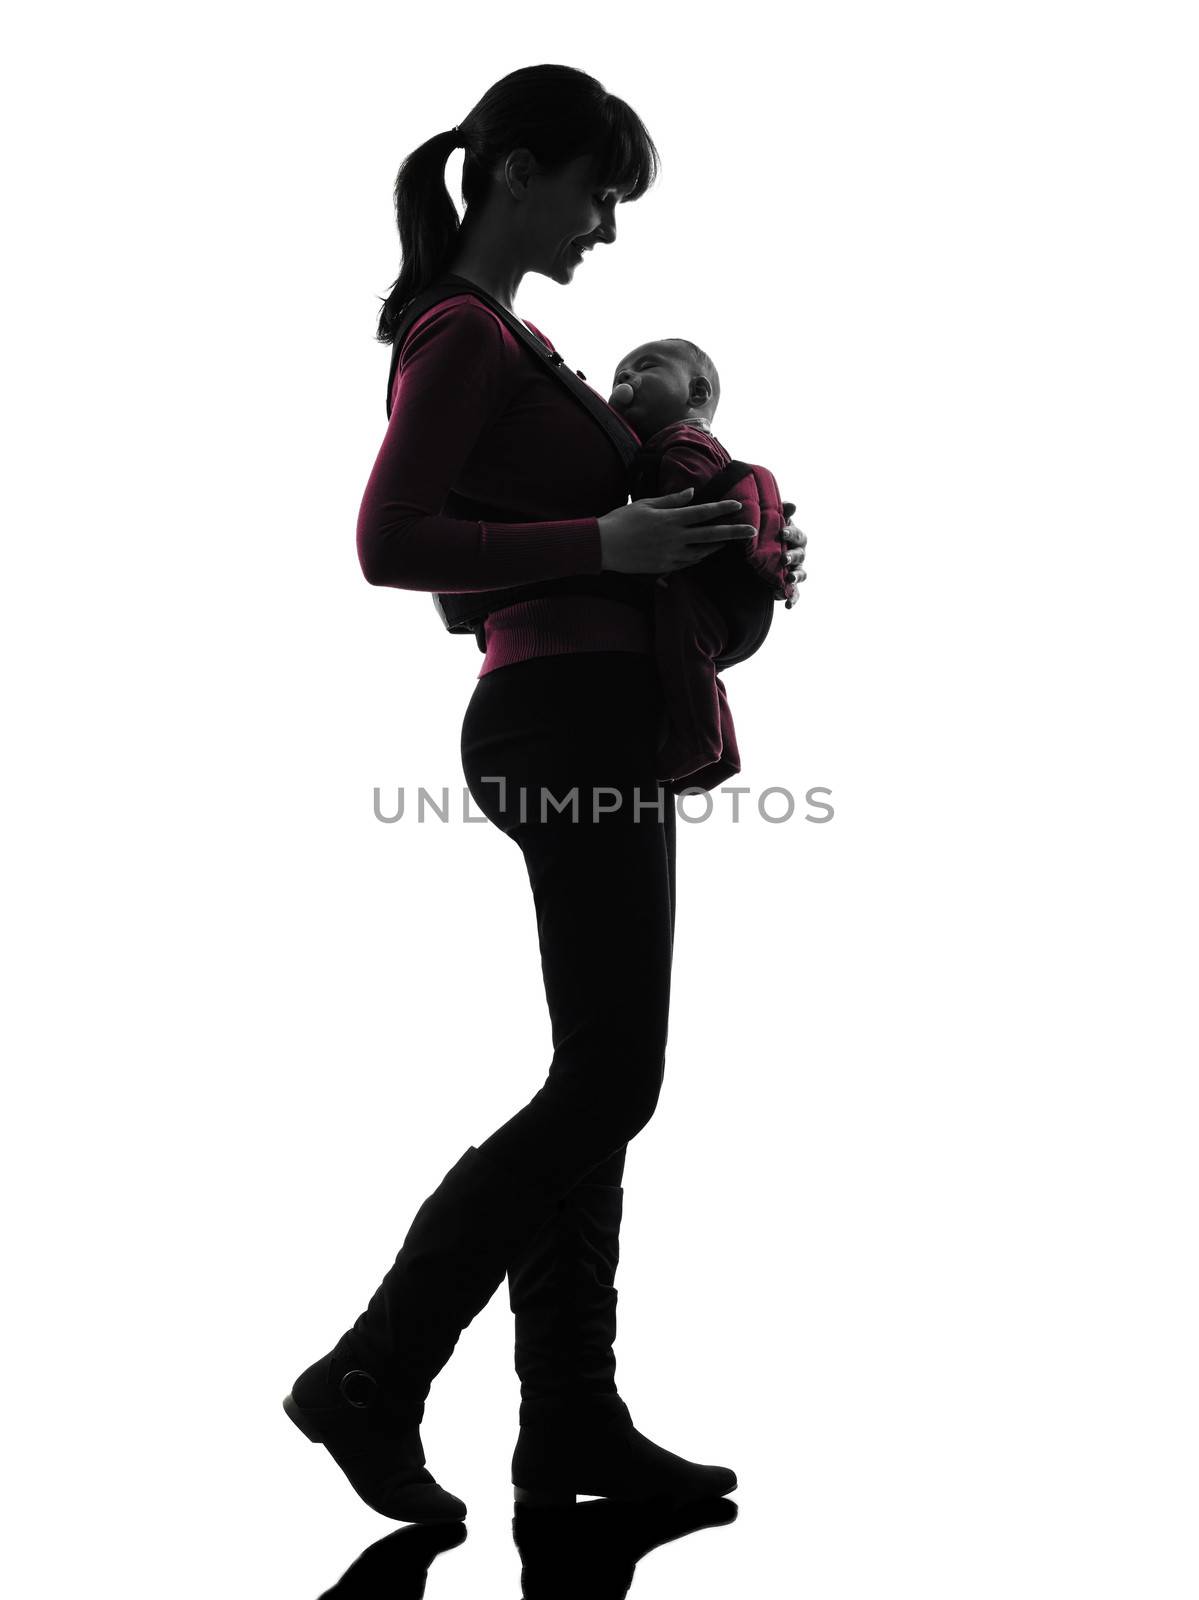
(536, 550)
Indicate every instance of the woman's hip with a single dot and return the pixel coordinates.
(570, 737)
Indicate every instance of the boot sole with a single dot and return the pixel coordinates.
(559, 1499)
(543, 1499)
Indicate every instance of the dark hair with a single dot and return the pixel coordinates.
(703, 363)
(559, 113)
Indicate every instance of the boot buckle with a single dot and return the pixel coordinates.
(359, 1389)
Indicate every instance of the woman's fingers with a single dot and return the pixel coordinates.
(700, 533)
(797, 539)
(721, 530)
(714, 508)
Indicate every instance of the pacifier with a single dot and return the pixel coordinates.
(621, 395)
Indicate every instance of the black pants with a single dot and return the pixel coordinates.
(601, 865)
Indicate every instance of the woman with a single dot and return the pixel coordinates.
(491, 475)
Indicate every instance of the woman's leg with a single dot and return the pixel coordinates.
(561, 1289)
(610, 1172)
(605, 902)
(558, 753)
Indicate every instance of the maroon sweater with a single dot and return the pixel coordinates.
(491, 475)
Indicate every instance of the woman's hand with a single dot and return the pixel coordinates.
(663, 533)
(795, 556)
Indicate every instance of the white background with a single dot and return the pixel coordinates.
(923, 1171)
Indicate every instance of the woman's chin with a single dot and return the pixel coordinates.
(562, 268)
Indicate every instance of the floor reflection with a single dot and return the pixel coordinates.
(591, 1551)
(587, 1552)
(397, 1567)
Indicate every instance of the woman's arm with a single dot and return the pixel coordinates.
(452, 383)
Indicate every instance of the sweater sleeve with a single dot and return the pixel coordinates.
(451, 384)
(684, 465)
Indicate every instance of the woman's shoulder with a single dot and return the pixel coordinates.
(533, 328)
(458, 334)
(466, 317)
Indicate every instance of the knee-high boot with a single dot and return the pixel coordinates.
(364, 1400)
(576, 1434)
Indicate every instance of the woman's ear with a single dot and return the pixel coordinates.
(520, 166)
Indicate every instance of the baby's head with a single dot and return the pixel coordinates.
(668, 380)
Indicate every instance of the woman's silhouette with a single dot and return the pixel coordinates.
(491, 475)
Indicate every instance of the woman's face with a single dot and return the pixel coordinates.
(567, 216)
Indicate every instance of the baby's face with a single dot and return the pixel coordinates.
(660, 380)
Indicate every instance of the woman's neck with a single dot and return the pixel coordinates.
(486, 256)
(485, 281)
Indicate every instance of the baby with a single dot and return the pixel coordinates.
(666, 382)
(668, 392)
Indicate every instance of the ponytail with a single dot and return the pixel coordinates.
(428, 224)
